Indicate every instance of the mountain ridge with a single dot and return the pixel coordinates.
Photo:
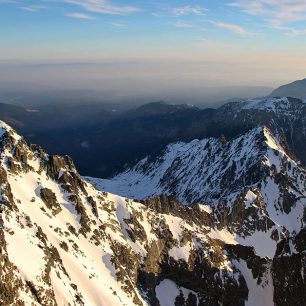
(190, 160)
(114, 139)
(296, 89)
(87, 247)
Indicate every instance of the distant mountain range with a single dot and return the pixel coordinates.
(203, 170)
(296, 89)
(117, 137)
(160, 108)
(33, 95)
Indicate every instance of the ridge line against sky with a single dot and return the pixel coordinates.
(248, 36)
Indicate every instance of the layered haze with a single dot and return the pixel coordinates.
(195, 51)
(140, 82)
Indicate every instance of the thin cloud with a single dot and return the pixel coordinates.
(276, 12)
(118, 24)
(33, 8)
(187, 25)
(189, 10)
(234, 28)
(103, 7)
(80, 16)
(8, 1)
(184, 25)
(295, 33)
(157, 15)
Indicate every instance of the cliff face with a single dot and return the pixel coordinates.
(63, 242)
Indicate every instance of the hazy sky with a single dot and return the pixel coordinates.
(212, 42)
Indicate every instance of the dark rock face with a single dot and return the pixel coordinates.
(7, 197)
(289, 280)
(200, 274)
(241, 219)
(80, 209)
(257, 264)
(10, 283)
(126, 264)
(288, 271)
(50, 200)
(300, 241)
(62, 170)
(170, 205)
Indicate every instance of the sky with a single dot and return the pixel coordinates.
(137, 43)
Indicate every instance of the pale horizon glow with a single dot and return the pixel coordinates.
(71, 43)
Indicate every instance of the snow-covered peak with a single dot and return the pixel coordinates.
(276, 105)
(202, 170)
(269, 104)
(5, 128)
(273, 142)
